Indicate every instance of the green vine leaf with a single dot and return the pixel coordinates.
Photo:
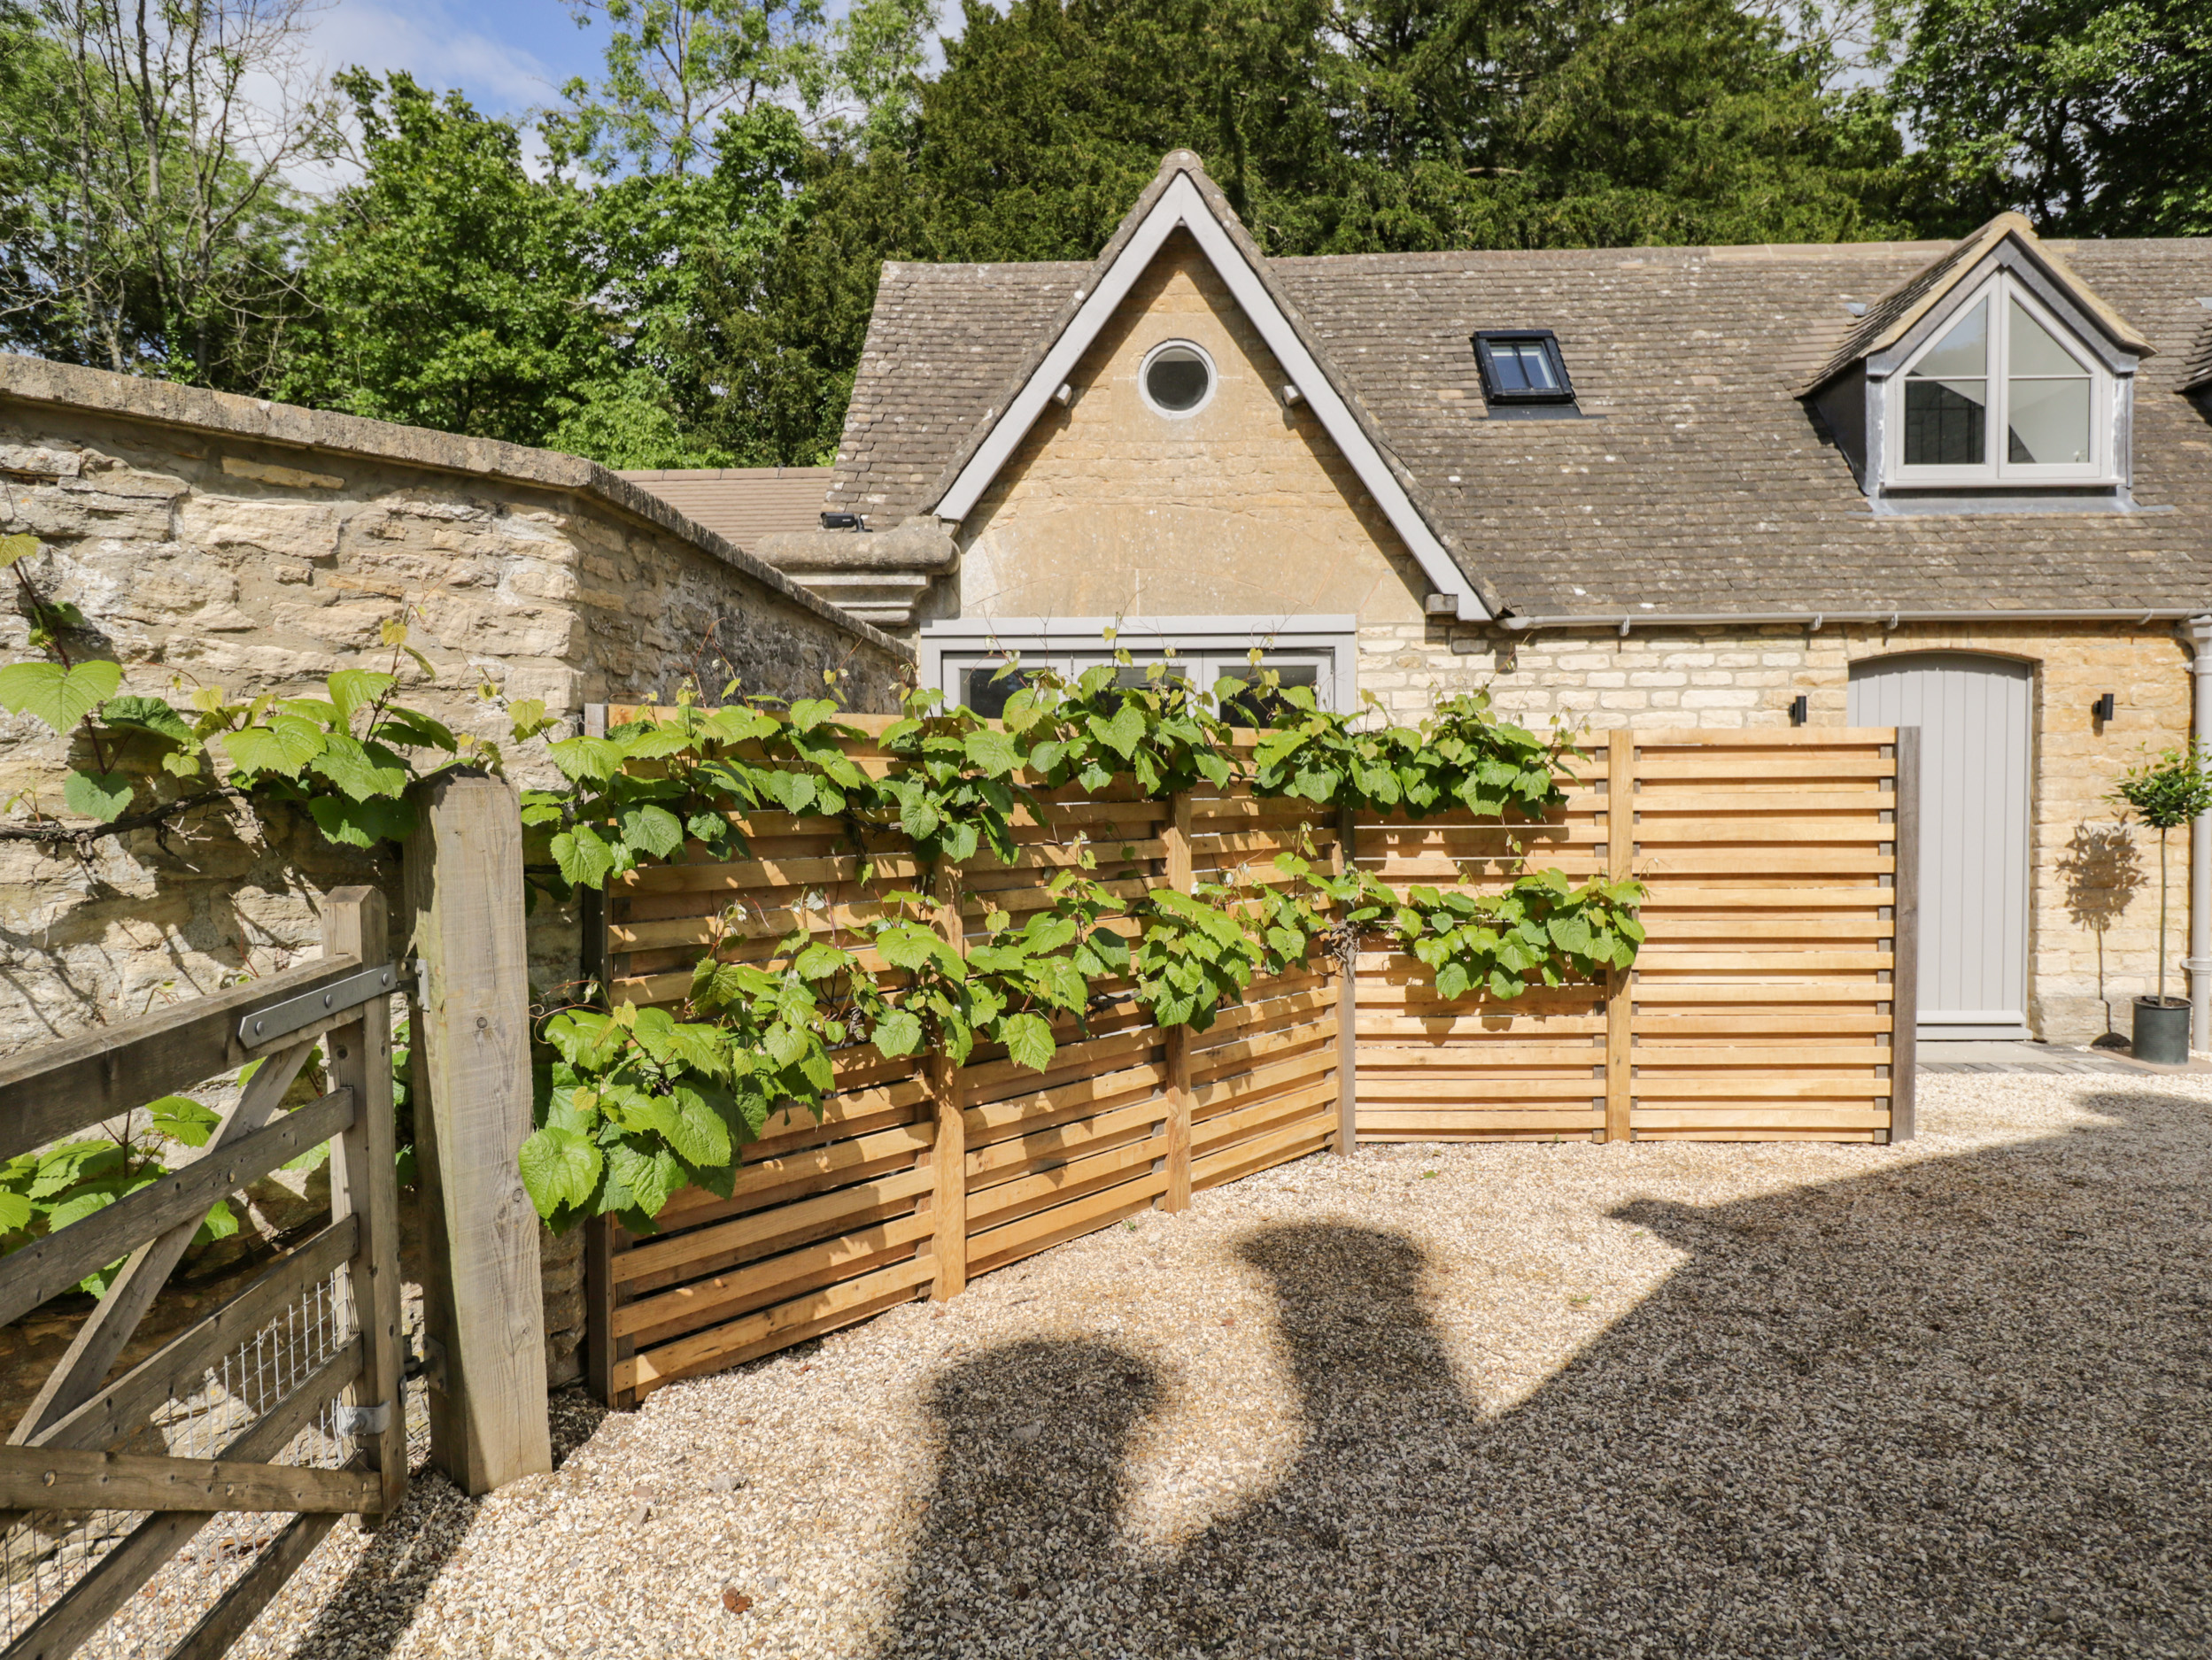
(284, 743)
(16, 547)
(105, 796)
(58, 696)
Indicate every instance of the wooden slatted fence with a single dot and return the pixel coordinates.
(1764, 1006)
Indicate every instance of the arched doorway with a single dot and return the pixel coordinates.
(1977, 765)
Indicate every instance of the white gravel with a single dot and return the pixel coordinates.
(1943, 1399)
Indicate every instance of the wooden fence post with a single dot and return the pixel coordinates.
(1175, 837)
(1905, 944)
(362, 1184)
(1347, 1001)
(949, 1147)
(483, 1304)
(1620, 983)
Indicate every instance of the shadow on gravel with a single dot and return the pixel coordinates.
(365, 1618)
(1955, 1408)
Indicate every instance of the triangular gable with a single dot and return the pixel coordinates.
(1182, 197)
(1898, 313)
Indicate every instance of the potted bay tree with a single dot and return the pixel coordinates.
(2165, 793)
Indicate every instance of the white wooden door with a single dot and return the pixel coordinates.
(1976, 770)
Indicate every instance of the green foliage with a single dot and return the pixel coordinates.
(952, 790)
(347, 760)
(146, 227)
(2169, 790)
(1539, 929)
(2093, 118)
(1194, 955)
(1150, 724)
(655, 785)
(638, 1103)
(1462, 757)
(448, 288)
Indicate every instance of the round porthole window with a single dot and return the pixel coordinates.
(1176, 378)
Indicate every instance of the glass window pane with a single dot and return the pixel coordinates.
(2047, 423)
(2031, 351)
(1535, 366)
(1258, 707)
(1505, 367)
(1944, 423)
(987, 695)
(1963, 351)
(1177, 378)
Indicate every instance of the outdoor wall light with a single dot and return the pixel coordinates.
(1799, 708)
(2102, 708)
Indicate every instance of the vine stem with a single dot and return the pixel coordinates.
(85, 835)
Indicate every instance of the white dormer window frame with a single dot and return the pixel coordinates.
(2040, 386)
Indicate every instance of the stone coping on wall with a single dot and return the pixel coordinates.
(163, 403)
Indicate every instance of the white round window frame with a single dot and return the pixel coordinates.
(1144, 378)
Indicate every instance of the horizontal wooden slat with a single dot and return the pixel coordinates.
(58, 1088)
(733, 1343)
(721, 1295)
(56, 1477)
(760, 1230)
(1443, 1122)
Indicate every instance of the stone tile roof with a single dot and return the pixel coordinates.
(1889, 318)
(944, 346)
(1703, 485)
(742, 504)
(2196, 373)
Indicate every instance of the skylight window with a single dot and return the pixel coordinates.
(1522, 366)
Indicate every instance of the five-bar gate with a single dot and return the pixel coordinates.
(178, 1477)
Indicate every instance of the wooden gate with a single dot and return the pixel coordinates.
(286, 1400)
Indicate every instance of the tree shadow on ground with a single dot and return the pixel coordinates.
(1951, 1408)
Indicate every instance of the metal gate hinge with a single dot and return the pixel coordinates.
(357, 1423)
(266, 1025)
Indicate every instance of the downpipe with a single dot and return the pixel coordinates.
(2199, 632)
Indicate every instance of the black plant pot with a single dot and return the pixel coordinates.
(2161, 1031)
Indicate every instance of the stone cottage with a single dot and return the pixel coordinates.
(1964, 487)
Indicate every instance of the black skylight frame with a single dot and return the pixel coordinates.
(1495, 392)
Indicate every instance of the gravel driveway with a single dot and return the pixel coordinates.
(1946, 1399)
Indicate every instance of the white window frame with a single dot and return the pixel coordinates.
(2002, 289)
(1144, 378)
(1217, 646)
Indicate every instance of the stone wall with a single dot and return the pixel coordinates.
(2093, 902)
(211, 540)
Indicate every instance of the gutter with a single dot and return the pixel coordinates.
(1815, 620)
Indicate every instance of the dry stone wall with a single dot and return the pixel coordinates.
(217, 541)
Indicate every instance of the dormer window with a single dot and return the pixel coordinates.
(2002, 394)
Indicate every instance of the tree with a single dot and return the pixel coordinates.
(153, 231)
(2166, 793)
(2093, 118)
(448, 289)
(1349, 126)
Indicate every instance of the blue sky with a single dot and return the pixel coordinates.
(508, 56)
